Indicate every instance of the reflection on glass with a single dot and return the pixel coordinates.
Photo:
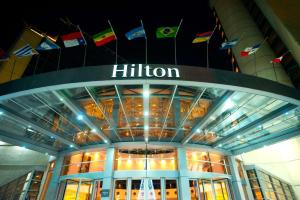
(154, 190)
(120, 190)
(85, 190)
(84, 163)
(137, 190)
(171, 190)
(206, 162)
(71, 190)
(220, 187)
(194, 190)
(135, 159)
(206, 190)
(98, 190)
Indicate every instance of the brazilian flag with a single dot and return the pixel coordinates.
(166, 32)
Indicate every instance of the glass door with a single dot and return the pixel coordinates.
(145, 189)
(71, 190)
(221, 188)
(206, 191)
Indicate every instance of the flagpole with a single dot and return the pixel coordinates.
(36, 63)
(175, 45)
(116, 41)
(13, 69)
(85, 45)
(58, 61)
(207, 44)
(146, 45)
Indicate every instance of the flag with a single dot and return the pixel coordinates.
(202, 37)
(47, 44)
(136, 33)
(228, 44)
(250, 50)
(104, 37)
(73, 39)
(277, 60)
(26, 50)
(3, 55)
(166, 32)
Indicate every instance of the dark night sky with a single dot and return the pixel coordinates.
(92, 18)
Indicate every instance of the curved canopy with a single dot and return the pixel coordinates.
(54, 112)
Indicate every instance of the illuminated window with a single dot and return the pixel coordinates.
(206, 162)
(135, 159)
(84, 163)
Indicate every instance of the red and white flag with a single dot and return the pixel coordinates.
(277, 60)
(73, 39)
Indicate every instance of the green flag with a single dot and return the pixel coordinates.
(166, 32)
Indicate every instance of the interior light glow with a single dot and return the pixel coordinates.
(146, 128)
(1, 112)
(220, 145)
(228, 104)
(94, 130)
(238, 137)
(146, 113)
(146, 93)
(80, 117)
(71, 145)
(198, 130)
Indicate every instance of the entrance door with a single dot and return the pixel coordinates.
(210, 189)
(80, 189)
(145, 189)
(221, 189)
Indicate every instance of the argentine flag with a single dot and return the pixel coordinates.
(26, 50)
(136, 33)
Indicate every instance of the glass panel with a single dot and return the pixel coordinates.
(194, 190)
(98, 190)
(171, 190)
(71, 190)
(84, 163)
(135, 159)
(154, 192)
(85, 191)
(206, 190)
(221, 188)
(137, 189)
(120, 190)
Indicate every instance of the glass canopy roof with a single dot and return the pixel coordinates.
(77, 117)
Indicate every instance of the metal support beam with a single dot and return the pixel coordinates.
(123, 109)
(27, 143)
(255, 123)
(95, 99)
(168, 110)
(195, 101)
(269, 140)
(213, 108)
(77, 110)
(146, 100)
(38, 127)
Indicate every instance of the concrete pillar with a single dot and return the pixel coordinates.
(183, 185)
(237, 23)
(236, 180)
(108, 172)
(54, 182)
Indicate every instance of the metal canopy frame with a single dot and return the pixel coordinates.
(77, 110)
(36, 126)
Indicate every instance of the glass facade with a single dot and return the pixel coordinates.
(210, 189)
(24, 187)
(207, 162)
(266, 186)
(142, 159)
(84, 163)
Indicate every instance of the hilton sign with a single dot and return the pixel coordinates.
(139, 70)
